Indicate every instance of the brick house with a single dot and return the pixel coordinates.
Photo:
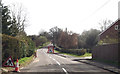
(109, 49)
(110, 34)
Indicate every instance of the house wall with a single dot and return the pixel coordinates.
(110, 32)
(106, 52)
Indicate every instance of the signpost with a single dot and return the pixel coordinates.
(9, 63)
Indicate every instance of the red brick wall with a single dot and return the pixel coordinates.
(110, 32)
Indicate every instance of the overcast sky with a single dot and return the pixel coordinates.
(75, 15)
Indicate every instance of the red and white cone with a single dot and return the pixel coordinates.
(17, 66)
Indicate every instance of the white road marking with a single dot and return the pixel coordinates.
(53, 59)
(61, 57)
(56, 61)
(65, 70)
(67, 59)
(44, 52)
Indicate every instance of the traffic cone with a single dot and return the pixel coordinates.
(17, 66)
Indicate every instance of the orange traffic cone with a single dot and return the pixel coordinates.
(17, 66)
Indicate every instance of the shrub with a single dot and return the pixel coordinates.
(15, 48)
(74, 51)
(89, 50)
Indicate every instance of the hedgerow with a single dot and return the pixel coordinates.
(11, 46)
(72, 51)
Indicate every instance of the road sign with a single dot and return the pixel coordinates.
(9, 63)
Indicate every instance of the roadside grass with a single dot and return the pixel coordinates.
(25, 61)
(85, 55)
(22, 62)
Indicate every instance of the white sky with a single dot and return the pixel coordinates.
(76, 15)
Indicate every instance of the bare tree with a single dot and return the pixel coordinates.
(18, 13)
(104, 24)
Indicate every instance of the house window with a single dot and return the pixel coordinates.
(116, 27)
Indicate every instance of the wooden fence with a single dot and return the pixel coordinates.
(110, 52)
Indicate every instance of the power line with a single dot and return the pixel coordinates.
(100, 7)
(97, 10)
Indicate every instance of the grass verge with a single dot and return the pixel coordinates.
(25, 61)
(85, 55)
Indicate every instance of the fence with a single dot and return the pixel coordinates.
(107, 52)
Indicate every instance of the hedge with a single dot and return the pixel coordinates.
(74, 51)
(71, 51)
(15, 48)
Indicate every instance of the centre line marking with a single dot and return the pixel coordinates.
(65, 70)
(56, 61)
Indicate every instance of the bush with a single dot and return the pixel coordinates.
(74, 51)
(31, 47)
(15, 48)
(89, 50)
(71, 51)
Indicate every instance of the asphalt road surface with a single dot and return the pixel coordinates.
(46, 62)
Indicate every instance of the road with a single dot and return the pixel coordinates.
(46, 62)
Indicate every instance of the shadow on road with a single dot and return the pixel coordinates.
(81, 59)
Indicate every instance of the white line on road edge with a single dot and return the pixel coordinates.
(64, 70)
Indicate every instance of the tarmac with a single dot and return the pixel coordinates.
(88, 60)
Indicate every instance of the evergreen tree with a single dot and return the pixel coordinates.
(14, 28)
(6, 20)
